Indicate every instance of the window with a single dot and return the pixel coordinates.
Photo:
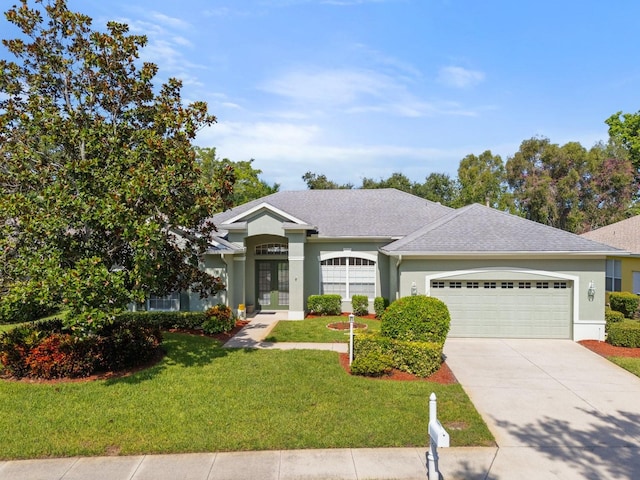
(455, 284)
(348, 276)
(169, 302)
(506, 285)
(489, 285)
(472, 285)
(437, 284)
(542, 284)
(272, 249)
(559, 284)
(613, 281)
(524, 284)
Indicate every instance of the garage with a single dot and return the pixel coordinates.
(507, 309)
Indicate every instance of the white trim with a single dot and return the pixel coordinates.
(349, 254)
(575, 279)
(295, 315)
(264, 206)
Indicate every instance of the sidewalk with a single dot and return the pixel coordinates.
(337, 464)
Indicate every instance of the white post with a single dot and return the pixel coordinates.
(351, 318)
(438, 437)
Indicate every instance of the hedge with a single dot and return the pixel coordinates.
(624, 334)
(379, 306)
(330, 304)
(418, 358)
(360, 304)
(624, 302)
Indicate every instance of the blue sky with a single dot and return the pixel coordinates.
(365, 88)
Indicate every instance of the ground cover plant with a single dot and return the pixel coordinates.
(315, 330)
(201, 397)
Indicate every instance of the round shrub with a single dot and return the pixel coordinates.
(625, 303)
(624, 334)
(416, 318)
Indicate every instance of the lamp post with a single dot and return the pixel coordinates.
(351, 318)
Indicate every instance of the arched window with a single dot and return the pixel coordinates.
(272, 249)
(348, 276)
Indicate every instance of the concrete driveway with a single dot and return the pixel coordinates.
(556, 409)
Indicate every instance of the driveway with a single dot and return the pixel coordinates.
(556, 409)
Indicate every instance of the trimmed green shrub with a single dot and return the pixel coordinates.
(624, 302)
(126, 344)
(379, 306)
(373, 364)
(611, 316)
(360, 304)
(330, 304)
(219, 319)
(419, 358)
(416, 318)
(166, 320)
(624, 334)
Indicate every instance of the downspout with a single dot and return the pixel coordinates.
(398, 262)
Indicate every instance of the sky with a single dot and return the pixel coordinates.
(365, 88)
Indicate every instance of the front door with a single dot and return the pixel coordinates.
(272, 284)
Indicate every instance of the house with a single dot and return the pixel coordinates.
(499, 274)
(622, 272)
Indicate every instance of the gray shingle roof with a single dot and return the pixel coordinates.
(476, 228)
(385, 213)
(624, 234)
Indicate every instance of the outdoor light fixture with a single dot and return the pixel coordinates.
(591, 291)
(414, 289)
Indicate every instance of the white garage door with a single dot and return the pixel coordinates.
(507, 309)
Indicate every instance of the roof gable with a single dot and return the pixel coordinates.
(479, 229)
(381, 213)
(624, 234)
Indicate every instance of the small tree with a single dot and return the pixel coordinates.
(101, 201)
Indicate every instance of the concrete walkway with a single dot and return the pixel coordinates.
(260, 326)
(556, 409)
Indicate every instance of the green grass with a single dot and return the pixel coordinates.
(201, 397)
(315, 330)
(630, 364)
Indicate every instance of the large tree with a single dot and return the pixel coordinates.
(101, 202)
(569, 187)
(625, 130)
(482, 180)
(321, 182)
(248, 184)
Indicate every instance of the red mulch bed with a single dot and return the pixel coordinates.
(606, 350)
(443, 376)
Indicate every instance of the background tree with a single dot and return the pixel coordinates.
(440, 187)
(397, 180)
(569, 187)
(248, 184)
(321, 182)
(625, 130)
(481, 179)
(99, 194)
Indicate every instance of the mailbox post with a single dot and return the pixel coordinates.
(351, 318)
(438, 437)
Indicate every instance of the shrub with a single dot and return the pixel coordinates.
(624, 302)
(166, 320)
(219, 318)
(62, 355)
(419, 358)
(624, 334)
(611, 316)
(125, 344)
(373, 364)
(416, 318)
(325, 304)
(379, 306)
(360, 304)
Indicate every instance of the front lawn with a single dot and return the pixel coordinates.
(315, 330)
(203, 398)
(631, 364)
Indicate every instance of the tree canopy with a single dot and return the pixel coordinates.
(247, 186)
(101, 200)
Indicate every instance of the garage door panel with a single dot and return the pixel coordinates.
(513, 309)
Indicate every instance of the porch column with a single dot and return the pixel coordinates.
(296, 275)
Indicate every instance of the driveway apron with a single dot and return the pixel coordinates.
(556, 409)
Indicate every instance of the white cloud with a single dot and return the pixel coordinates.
(459, 77)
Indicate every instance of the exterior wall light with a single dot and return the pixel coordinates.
(414, 289)
(591, 291)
